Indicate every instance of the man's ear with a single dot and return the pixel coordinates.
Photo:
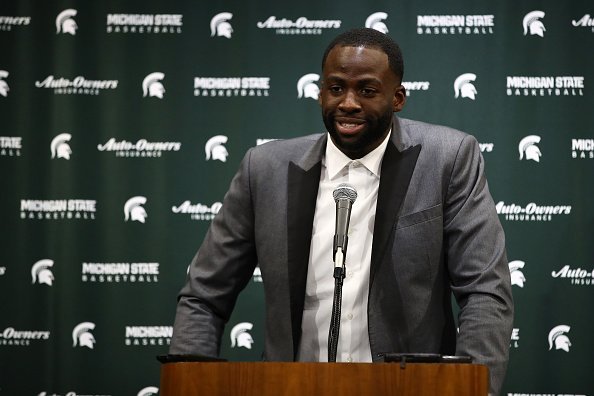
(399, 98)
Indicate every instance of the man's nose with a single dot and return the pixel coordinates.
(349, 103)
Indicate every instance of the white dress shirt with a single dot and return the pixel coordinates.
(353, 342)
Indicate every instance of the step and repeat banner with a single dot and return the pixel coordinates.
(122, 123)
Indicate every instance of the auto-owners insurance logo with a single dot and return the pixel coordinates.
(22, 337)
(197, 211)
(79, 85)
(140, 148)
(576, 276)
(8, 22)
(299, 26)
(586, 21)
(532, 211)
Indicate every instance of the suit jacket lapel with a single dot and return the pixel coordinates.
(396, 171)
(302, 191)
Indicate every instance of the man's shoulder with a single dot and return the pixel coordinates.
(419, 132)
(286, 149)
(434, 139)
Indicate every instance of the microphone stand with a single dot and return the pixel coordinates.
(344, 196)
(339, 274)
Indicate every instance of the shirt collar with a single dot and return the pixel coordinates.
(335, 160)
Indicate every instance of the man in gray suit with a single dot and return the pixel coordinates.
(423, 227)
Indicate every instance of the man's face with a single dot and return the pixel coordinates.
(359, 95)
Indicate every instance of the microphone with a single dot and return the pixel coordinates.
(344, 196)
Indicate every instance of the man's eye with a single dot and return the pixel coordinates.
(367, 91)
(335, 89)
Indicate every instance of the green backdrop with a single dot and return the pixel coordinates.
(109, 177)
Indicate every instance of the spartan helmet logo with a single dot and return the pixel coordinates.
(59, 146)
(240, 336)
(376, 21)
(533, 24)
(220, 26)
(214, 148)
(41, 273)
(151, 85)
(148, 391)
(558, 337)
(65, 23)
(463, 87)
(81, 335)
(3, 85)
(133, 209)
(528, 146)
(307, 87)
(517, 277)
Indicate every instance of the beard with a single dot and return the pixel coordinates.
(367, 140)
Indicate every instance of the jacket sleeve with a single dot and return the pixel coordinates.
(477, 265)
(219, 271)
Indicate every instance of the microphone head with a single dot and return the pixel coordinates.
(345, 191)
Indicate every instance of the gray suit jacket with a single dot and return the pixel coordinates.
(436, 232)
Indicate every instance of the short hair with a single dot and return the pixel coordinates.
(370, 38)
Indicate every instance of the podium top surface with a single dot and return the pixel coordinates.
(288, 378)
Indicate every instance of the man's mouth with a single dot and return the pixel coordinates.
(349, 127)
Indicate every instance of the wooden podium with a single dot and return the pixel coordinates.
(319, 379)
